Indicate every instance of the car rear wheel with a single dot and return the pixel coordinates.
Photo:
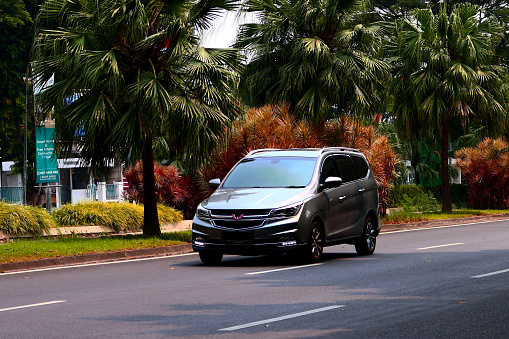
(313, 251)
(366, 243)
(210, 258)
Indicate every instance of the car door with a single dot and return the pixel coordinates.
(351, 199)
(338, 202)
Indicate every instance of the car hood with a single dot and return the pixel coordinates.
(255, 198)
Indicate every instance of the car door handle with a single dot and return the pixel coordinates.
(361, 190)
(342, 198)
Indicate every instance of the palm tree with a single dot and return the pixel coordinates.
(314, 55)
(137, 75)
(445, 72)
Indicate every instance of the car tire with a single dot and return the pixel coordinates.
(210, 258)
(312, 253)
(366, 243)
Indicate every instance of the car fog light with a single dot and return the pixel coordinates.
(199, 242)
(287, 241)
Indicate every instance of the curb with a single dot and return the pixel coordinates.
(95, 257)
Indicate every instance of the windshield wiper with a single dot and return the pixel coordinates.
(295, 186)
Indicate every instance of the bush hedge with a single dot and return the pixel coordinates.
(24, 220)
(399, 195)
(120, 217)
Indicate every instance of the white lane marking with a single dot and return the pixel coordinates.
(267, 321)
(489, 274)
(449, 226)
(96, 264)
(438, 246)
(283, 269)
(32, 305)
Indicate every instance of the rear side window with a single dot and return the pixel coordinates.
(362, 166)
(346, 169)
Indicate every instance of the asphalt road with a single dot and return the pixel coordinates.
(439, 283)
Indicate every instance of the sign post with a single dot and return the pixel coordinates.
(46, 159)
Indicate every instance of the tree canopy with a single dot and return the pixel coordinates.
(316, 56)
(445, 68)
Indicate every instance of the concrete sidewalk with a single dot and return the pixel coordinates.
(186, 248)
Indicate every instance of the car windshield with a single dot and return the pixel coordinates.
(290, 172)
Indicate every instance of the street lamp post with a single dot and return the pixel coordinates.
(25, 152)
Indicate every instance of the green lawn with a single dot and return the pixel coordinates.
(404, 217)
(31, 249)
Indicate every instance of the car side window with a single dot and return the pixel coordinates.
(328, 169)
(346, 168)
(361, 165)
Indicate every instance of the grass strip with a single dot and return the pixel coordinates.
(32, 249)
(404, 217)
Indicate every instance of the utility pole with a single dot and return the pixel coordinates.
(25, 152)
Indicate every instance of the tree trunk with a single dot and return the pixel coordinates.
(150, 217)
(444, 166)
(416, 159)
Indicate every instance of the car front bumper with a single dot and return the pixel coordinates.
(278, 236)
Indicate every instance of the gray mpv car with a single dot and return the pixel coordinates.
(290, 201)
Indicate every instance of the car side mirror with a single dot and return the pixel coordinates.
(214, 183)
(332, 182)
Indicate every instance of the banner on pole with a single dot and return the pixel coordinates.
(46, 159)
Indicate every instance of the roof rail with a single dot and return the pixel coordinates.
(325, 149)
(262, 150)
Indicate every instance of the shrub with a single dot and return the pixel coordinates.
(172, 189)
(421, 202)
(485, 169)
(274, 127)
(24, 220)
(120, 217)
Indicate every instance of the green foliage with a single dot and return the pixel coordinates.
(413, 195)
(24, 220)
(317, 56)
(421, 202)
(120, 217)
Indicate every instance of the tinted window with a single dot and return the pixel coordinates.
(271, 172)
(346, 168)
(362, 166)
(328, 169)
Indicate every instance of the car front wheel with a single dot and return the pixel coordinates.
(210, 258)
(313, 251)
(366, 243)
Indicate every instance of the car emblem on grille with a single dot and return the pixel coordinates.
(237, 217)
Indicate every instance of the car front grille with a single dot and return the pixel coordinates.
(244, 213)
(238, 224)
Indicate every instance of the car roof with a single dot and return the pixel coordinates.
(299, 152)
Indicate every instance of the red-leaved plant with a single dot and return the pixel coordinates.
(274, 127)
(485, 169)
(172, 189)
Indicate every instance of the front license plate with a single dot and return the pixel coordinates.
(237, 236)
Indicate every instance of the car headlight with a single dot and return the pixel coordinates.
(286, 212)
(202, 213)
